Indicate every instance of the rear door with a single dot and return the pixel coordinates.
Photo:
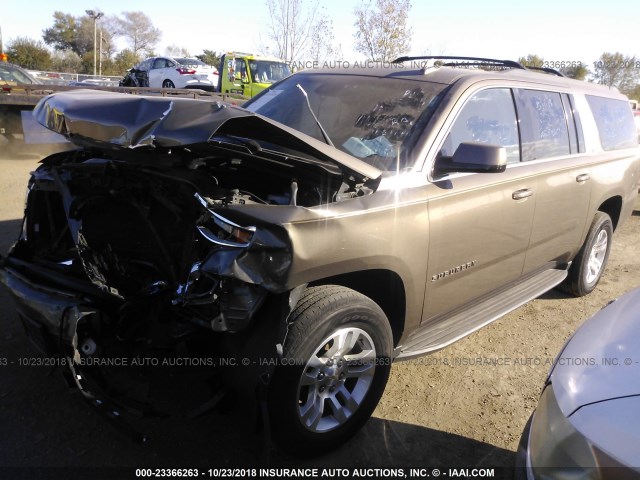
(553, 148)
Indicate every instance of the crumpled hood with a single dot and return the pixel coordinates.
(110, 120)
(602, 360)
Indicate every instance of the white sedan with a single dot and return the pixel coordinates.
(169, 72)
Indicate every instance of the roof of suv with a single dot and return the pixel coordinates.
(448, 75)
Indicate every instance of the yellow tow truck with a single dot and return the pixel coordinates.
(247, 74)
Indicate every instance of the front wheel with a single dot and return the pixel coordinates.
(589, 264)
(337, 359)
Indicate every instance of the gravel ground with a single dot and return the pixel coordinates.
(463, 406)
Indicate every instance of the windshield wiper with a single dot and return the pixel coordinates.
(324, 134)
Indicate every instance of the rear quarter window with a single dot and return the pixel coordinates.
(614, 121)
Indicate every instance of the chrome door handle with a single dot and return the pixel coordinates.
(520, 194)
(582, 178)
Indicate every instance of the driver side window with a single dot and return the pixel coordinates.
(488, 117)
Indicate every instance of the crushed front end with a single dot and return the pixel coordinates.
(132, 262)
(136, 245)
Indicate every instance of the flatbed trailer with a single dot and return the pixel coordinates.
(20, 134)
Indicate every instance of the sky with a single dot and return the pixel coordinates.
(556, 30)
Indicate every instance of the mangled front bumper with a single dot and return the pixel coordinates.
(50, 315)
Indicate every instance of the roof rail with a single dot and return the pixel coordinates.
(552, 71)
(475, 60)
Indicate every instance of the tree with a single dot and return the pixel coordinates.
(292, 26)
(321, 47)
(108, 26)
(176, 51)
(76, 34)
(66, 61)
(577, 72)
(62, 36)
(382, 33)
(70, 33)
(617, 70)
(210, 58)
(634, 93)
(531, 60)
(29, 53)
(124, 60)
(137, 29)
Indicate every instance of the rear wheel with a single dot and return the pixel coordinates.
(589, 264)
(168, 84)
(337, 359)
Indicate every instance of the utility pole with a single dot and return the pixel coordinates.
(100, 69)
(95, 15)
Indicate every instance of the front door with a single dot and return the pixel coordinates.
(479, 223)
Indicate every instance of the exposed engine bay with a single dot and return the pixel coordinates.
(151, 206)
(138, 232)
(141, 234)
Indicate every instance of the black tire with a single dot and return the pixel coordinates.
(588, 266)
(168, 84)
(318, 399)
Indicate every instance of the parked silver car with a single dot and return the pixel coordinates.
(587, 424)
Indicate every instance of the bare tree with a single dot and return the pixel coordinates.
(382, 33)
(137, 29)
(293, 25)
(108, 31)
(321, 47)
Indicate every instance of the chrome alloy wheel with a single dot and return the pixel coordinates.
(336, 379)
(597, 256)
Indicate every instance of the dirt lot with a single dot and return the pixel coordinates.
(462, 407)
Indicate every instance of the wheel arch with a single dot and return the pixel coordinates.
(613, 208)
(384, 287)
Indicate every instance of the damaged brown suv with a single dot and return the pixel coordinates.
(342, 220)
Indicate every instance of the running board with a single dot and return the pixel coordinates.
(441, 331)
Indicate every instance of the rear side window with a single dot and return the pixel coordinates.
(615, 122)
(543, 124)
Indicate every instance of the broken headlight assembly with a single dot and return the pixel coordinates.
(231, 282)
(229, 233)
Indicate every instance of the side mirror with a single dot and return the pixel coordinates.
(474, 157)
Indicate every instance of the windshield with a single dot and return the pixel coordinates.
(264, 71)
(371, 118)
